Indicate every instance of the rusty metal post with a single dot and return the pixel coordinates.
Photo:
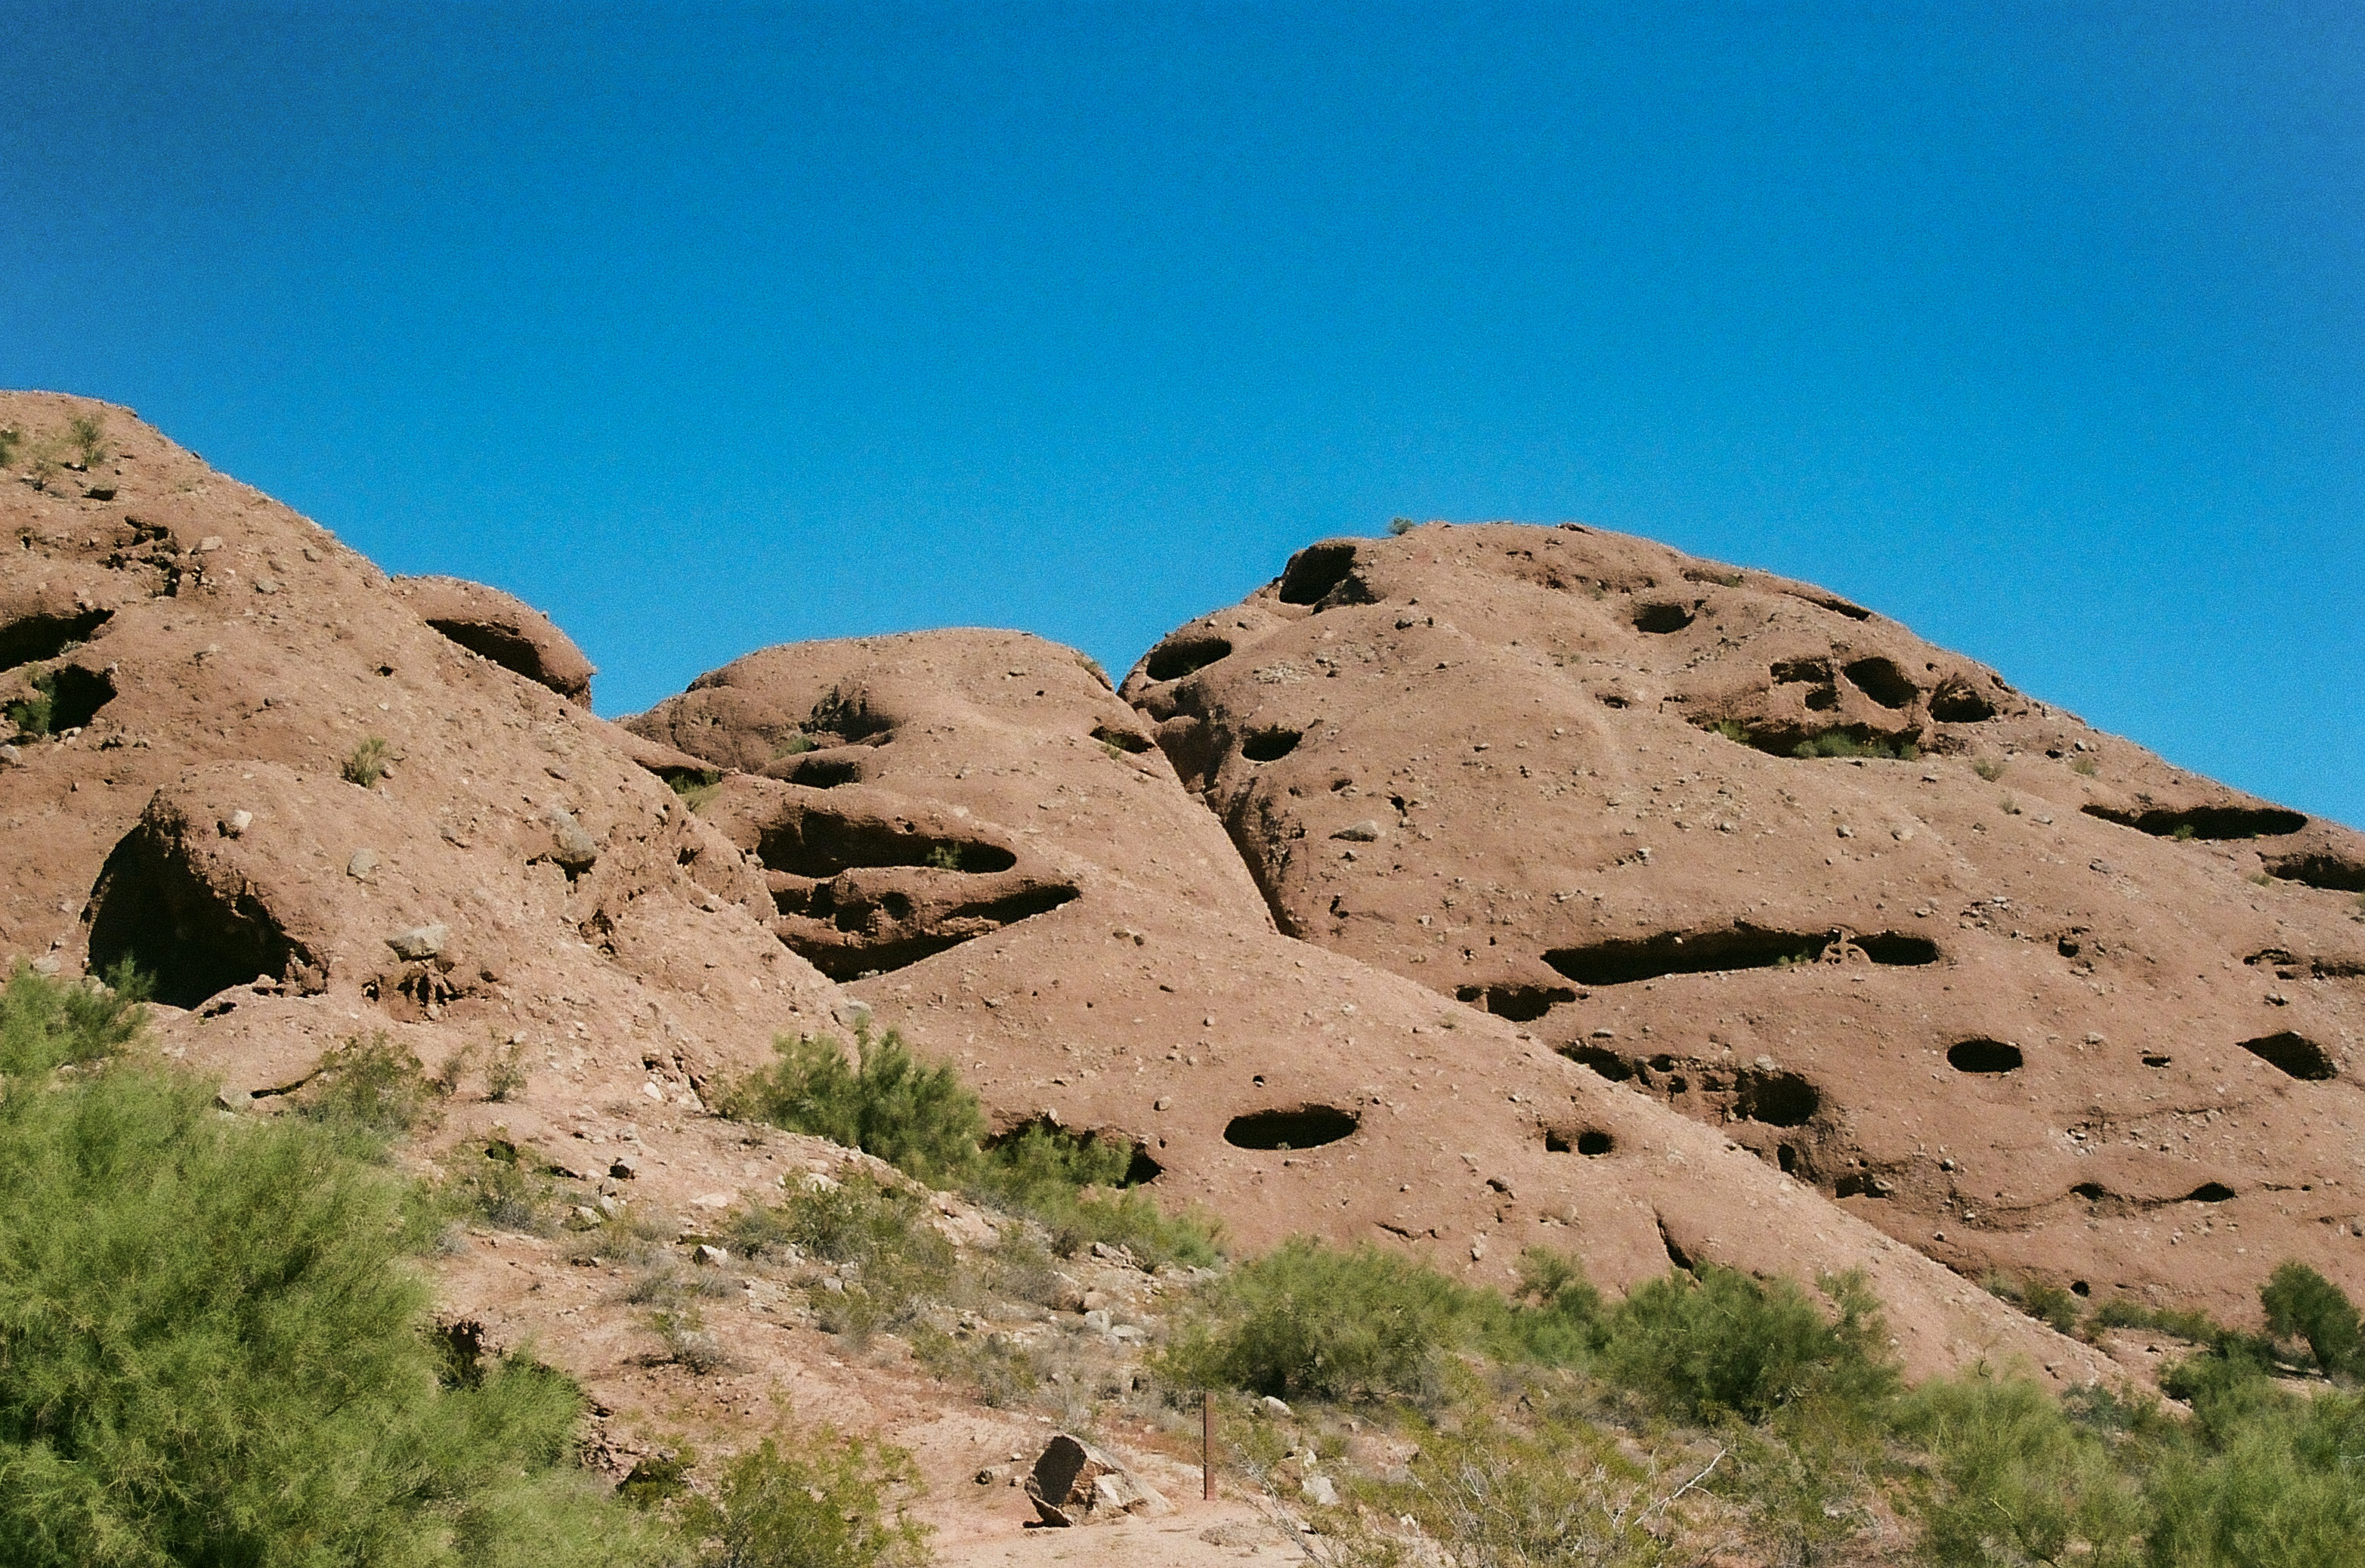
(1206, 1445)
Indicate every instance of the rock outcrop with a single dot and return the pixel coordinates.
(2018, 992)
(503, 628)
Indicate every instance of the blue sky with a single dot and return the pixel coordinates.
(2041, 328)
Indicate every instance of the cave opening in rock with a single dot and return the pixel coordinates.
(151, 908)
(1776, 1098)
(2203, 822)
(1179, 656)
(1983, 1056)
(1622, 961)
(1124, 740)
(2294, 1054)
(2209, 1193)
(1270, 745)
(1882, 680)
(1661, 618)
(30, 639)
(1516, 1003)
(1314, 571)
(1294, 1127)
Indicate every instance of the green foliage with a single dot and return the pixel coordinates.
(1333, 1323)
(32, 715)
(1400, 526)
(505, 1073)
(1002, 1370)
(2302, 1305)
(1560, 1492)
(2056, 1309)
(2198, 1328)
(1839, 743)
(48, 1024)
(365, 765)
(1558, 1317)
(828, 1504)
(369, 1085)
(921, 1120)
(502, 1192)
(1719, 1342)
(946, 857)
(1731, 730)
(88, 433)
(893, 1260)
(1987, 767)
(214, 1357)
(2014, 1481)
(2085, 767)
(695, 789)
(795, 745)
(2183, 833)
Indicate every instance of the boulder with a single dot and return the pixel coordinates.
(1075, 1484)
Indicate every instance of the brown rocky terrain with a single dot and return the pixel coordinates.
(317, 803)
(2017, 992)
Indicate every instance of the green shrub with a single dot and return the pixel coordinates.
(214, 1356)
(795, 745)
(365, 763)
(1073, 1184)
(1400, 526)
(1718, 1342)
(2302, 1305)
(1557, 1318)
(1839, 743)
(841, 1504)
(505, 1071)
(10, 439)
(1333, 1323)
(2056, 1309)
(1987, 767)
(88, 433)
(2198, 1328)
(47, 1024)
(922, 1120)
(2260, 1477)
(1002, 1370)
(898, 1262)
(2084, 767)
(32, 715)
(1561, 1491)
(369, 1085)
(2013, 1480)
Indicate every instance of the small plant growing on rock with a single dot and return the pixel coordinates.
(11, 437)
(88, 433)
(688, 1343)
(1987, 767)
(366, 763)
(946, 857)
(369, 1084)
(1400, 526)
(826, 1504)
(32, 715)
(2084, 767)
(505, 1072)
(695, 789)
(795, 745)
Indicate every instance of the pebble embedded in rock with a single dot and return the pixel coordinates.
(420, 942)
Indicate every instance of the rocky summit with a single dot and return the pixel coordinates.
(1480, 888)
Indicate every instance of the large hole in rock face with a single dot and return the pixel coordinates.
(2203, 822)
(30, 639)
(1601, 1060)
(75, 695)
(1622, 962)
(151, 907)
(516, 654)
(1956, 701)
(1833, 603)
(1518, 1004)
(1802, 672)
(1082, 1153)
(1299, 1126)
(2209, 1193)
(848, 938)
(1777, 1099)
(1314, 571)
(1882, 680)
(2320, 868)
(1270, 745)
(1130, 741)
(2294, 1054)
(826, 770)
(822, 843)
(1984, 1057)
(1661, 618)
(1179, 656)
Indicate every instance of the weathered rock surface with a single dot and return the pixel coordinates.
(1283, 1086)
(2018, 992)
(503, 628)
(1073, 1483)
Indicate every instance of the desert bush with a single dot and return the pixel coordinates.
(47, 1024)
(1839, 743)
(88, 433)
(1718, 1342)
(688, 1343)
(2011, 1480)
(1400, 526)
(896, 1261)
(213, 1355)
(365, 763)
(1557, 1317)
(500, 1190)
(33, 715)
(2259, 1477)
(369, 1085)
(1073, 1185)
(505, 1071)
(1987, 767)
(2084, 767)
(2121, 1312)
(2302, 1305)
(1002, 1370)
(919, 1119)
(2056, 1309)
(828, 1504)
(11, 437)
(1334, 1323)
(696, 788)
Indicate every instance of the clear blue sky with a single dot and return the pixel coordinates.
(2041, 328)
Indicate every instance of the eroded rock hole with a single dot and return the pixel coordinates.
(30, 639)
(2203, 822)
(1314, 571)
(516, 654)
(1271, 746)
(2092, 1191)
(149, 906)
(1882, 680)
(1299, 1126)
(68, 697)
(1124, 740)
(1661, 618)
(1623, 961)
(1518, 1004)
(821, 845)
(1601, 1060)
(1956, 701)
(826, 770)
(2209, 1193)
(1777, 1099)
(2321, 868)
(1590, 1142)
(1179, 656)
(2294, 1054)
(1077, 1154)
(1984, 1057)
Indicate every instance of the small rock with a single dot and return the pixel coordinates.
(1098, 1320)
(1276, 1408)
(1067, 1296)
(1319, 1491)
(233, 1099)
(587, 1217)
(419, 941)
(987, 1476)
(235, 825)
(710, 1256)
(571, 848)
(1845, 832)
(210, 543)
(1095, 1301)
(1364, 832)
(1161, 1104)
(1074, 1484)
(46, 964)
(609, 1207)
(362, 862)
(11, 757)
(266, 585)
